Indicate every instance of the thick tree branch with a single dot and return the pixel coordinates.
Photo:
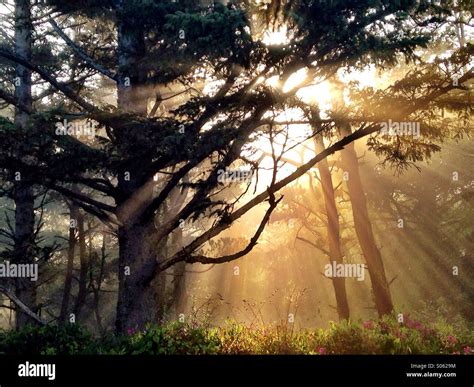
(67, 91)
(81, 197)
(12, 100)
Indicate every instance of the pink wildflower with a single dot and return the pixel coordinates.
(368, 324)
(452, 340)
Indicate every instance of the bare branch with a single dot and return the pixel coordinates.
(322, 249)
(21, 305)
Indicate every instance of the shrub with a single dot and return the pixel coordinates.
(47, 340)
(383, 336)
(174, 338)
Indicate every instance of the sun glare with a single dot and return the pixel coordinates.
(295, 80)
(277, 37)
(319, 94)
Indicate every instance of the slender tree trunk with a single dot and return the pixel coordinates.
(84, 266)
(24, 198)
(334, 240)
(177, 301)
(363, 228)
(179, 277)
(96, 306)
(179, 288)
(73, 211)
(97, 288)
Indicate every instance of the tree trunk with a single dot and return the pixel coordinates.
(24, 198)
(137, 302)
(179, 288)
(131, 93)
(178, 300)
(177, 303)
(25, 289)
(334, 240)
(73, 211)
(363, 228)
(84, 266)
(98, 287)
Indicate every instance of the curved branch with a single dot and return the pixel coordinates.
(183, 254)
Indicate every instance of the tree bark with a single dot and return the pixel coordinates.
(24, 198)
(334, 240)
(363, 228)
(137, 302)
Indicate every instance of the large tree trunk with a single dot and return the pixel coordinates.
(131, 91)
(363, 228)
(334, 240)
(137, 302)
(24, 198)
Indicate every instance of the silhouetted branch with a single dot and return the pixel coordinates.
(21, 305)
(86, 58)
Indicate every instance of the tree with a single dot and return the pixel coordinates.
(24, 196)
(334, 240)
